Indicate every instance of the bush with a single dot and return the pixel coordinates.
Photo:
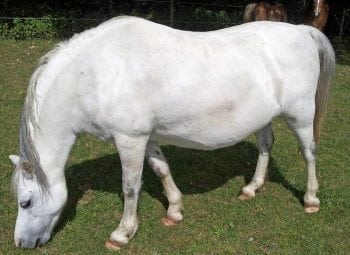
(342, 50)
(202, 14)
(27, 29)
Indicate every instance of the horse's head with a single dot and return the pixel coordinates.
(38, 209)
(316, 7)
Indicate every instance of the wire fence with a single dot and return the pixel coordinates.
(179, 14)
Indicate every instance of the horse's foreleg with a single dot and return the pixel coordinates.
(131, 151)
(264, 139)
(159, 165)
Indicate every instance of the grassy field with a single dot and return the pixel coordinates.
(215, 222)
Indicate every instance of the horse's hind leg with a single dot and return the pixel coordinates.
(159, 165)
(304, 133)
(264, 139)
(131, 152)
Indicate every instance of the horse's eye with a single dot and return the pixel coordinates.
(25, 204)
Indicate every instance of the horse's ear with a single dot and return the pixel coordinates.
(14, 159)
(27, 167)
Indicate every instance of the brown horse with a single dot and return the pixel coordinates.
(264, 11)
(319, 14)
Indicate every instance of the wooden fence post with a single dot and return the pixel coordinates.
(172, 7)
(342, 25)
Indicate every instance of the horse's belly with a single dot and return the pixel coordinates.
(188, 139)
(208, 132)
(214, 127)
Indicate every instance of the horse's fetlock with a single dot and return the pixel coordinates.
(259, 181)
(248, 191)
(175, 198)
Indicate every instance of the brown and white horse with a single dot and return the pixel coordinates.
(264, 11)
(318, 16)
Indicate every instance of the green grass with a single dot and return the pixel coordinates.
(215, 221)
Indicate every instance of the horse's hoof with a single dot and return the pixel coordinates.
(168, 222)
(113, 245)
(244, 196)
(311, 208)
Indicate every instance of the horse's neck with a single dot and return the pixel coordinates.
(48, 96)
(321, 20)
(52, 137)
(53, 149)
(324, 10)
(52, 65)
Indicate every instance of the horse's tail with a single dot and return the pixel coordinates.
(248, 12)
(327, 66)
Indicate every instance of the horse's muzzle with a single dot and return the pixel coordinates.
(26, 244)
(31, 243)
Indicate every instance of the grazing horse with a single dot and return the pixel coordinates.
(318, 15)
(264, 11)
(138, 83)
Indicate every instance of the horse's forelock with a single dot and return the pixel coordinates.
(14, 181)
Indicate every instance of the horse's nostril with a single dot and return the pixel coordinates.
(38, 243)
(19, 243)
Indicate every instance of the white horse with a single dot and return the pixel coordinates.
(138, 83)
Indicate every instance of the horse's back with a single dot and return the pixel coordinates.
(229, 82)
(202, 90)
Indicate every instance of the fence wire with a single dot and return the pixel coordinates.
(179, 14)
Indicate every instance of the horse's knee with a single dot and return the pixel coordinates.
(156, 160)
(265, 139)
(267, 142)
(131, 191)
(160, 168)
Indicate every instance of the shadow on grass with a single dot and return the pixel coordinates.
(194, 172)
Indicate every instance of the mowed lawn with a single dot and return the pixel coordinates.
(215, 221)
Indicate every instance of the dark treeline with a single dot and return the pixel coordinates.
(188, 14)
(109, 8)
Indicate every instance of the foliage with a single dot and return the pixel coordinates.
(342, 49)
(28, 29)
(202, 14)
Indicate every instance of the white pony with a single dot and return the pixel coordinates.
(138, 83)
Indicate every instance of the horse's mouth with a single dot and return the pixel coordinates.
(26, 245)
